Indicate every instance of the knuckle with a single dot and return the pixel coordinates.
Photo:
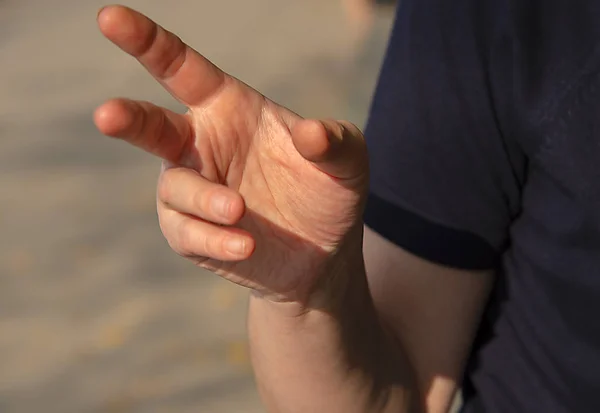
(166, 225)
(162, 218)
(163, 187)
(167, 182)
(186, 240)
(167, 53)
(173, 245)
(174, 57)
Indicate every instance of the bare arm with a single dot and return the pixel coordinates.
(332, 356)
(342, 358)
(434, 312)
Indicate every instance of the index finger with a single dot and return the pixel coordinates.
(186, 74)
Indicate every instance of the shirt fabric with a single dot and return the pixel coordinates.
(484, 141)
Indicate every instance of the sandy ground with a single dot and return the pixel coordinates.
(96, 313)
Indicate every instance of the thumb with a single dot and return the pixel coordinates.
(336, 148)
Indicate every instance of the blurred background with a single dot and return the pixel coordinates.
(96, 313)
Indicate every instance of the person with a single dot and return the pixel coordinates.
(462, 250)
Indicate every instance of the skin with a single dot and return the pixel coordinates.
(243, 180)
(338, 321)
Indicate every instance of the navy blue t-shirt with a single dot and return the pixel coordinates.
(484, 140)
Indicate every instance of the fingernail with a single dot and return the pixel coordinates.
(100, 11)
(236, 246)
(221, 205)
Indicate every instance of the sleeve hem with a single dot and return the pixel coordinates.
(428, 240)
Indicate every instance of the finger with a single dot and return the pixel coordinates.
(336, 148)
(187, 75)
(193, 238)
(185, 190)
(157, 130)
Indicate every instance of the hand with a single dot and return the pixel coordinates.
(248, 189)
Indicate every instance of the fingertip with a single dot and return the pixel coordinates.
(100, 12)
(125, 27)
(229, 209)
(105, 8)
(337, 148)
(238, 209)
(310, 139)
(240, 246)
(310, 126)
(108, 14)
(250, 246)
(114, 117)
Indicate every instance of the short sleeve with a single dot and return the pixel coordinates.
(445, 176)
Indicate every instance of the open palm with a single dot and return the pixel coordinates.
(249, 189)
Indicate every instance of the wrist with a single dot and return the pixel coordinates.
(335, 339)
(338, 278)
(343, 280)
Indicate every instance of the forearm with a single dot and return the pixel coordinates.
(331, 357)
